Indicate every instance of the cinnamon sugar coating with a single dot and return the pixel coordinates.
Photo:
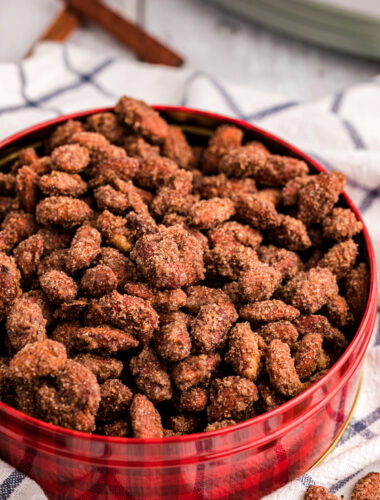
(230, 261)
(367, 488)
(60, 183)
(26, 188)
(217, 264)
(219, 425)
(224, 139)
(357, 287)
(150, 376)
(243, 351)
(63, 133)
(102, 367)
(210, 327)
(259, 282)
(58, 286)
(223, 187)
(321, 326)
(73, 400)
(184, 424)
(281, 370)
(132, 314)
(98, 281)
(340, 259)
(231, 398)
(145, 419)
(205, 214)
(176, 147)
(100, 339)
(38, 359)
(54, 239)
(341, 224)
(28, 254)
(268, 311)
(70, 158)
(310, 290)
(173, 342)
(142, 119)
(317, 198)
(199, 296)
(195, 370)
(255, 211)
(115, 398)
(25, 323)
(171, 258)
(280, 330)
(338, 312)
(16, 226)
(111, 169)
(243, 161)
(277, 170)
(319, 493)
(123, 267)
(309, 351)
(290, 233)
(84, 248)
(62, 211)
(107, 124)
(269, 399)
(288, 263)
(55, 261)
(234, 233)
(192, 400)
(117, 428)
(114, 231)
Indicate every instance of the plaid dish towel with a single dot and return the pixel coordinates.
(342, 131)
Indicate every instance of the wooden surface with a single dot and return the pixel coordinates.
(208, 38)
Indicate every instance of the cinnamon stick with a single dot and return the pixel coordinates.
(141, 43)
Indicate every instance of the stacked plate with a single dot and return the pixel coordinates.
(346, 25)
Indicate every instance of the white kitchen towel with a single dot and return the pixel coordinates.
(342, 131)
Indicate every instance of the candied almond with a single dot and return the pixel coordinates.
(367, 488)
(224, 139)
(142, 119)
(103, 368)
(98, 281)
(310, 290)
(145, 419)
(357, 288)
(134, 315)
(62, 211)
(268, 311)
(210, 328)
(243, 353)
(341, 224)
(231, 398)
(84, 248)
(173, 342)
(195, 370)
(70, 158)
(38, 359)
(319, 493)
(60, 183)
(150, 376)
(115, 398)
(281, 370)
(25, 323)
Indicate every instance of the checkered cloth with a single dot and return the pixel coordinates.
(341, 131)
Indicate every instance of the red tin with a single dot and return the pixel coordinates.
(246, 460)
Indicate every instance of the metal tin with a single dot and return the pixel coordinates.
(249, 459)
